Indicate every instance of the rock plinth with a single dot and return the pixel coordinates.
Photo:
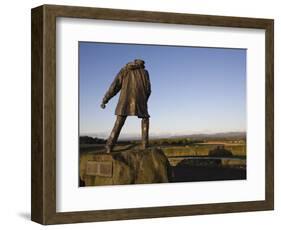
(128, 167)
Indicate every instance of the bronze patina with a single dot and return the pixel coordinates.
(134, 85)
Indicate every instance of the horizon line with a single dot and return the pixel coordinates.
(167, 133)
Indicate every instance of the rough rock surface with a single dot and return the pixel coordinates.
(129, 167)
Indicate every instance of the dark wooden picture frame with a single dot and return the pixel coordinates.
(43, 188)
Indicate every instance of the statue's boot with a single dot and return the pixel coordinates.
(144, 132)
(111, 141)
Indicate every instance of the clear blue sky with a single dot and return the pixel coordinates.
(194, 89)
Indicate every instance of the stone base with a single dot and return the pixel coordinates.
(128, 167)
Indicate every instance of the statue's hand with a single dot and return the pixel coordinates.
(102, 105)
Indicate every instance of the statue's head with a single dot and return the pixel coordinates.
(139, 63)
(136, 64)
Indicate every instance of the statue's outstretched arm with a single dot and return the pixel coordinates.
(113, 89)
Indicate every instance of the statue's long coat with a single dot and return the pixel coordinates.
(134, 84)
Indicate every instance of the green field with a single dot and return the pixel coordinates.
(200, 150)
(176, 147)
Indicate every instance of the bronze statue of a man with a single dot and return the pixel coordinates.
(134, 84)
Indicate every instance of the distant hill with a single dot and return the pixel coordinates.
(215, 136)
(199, 136)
